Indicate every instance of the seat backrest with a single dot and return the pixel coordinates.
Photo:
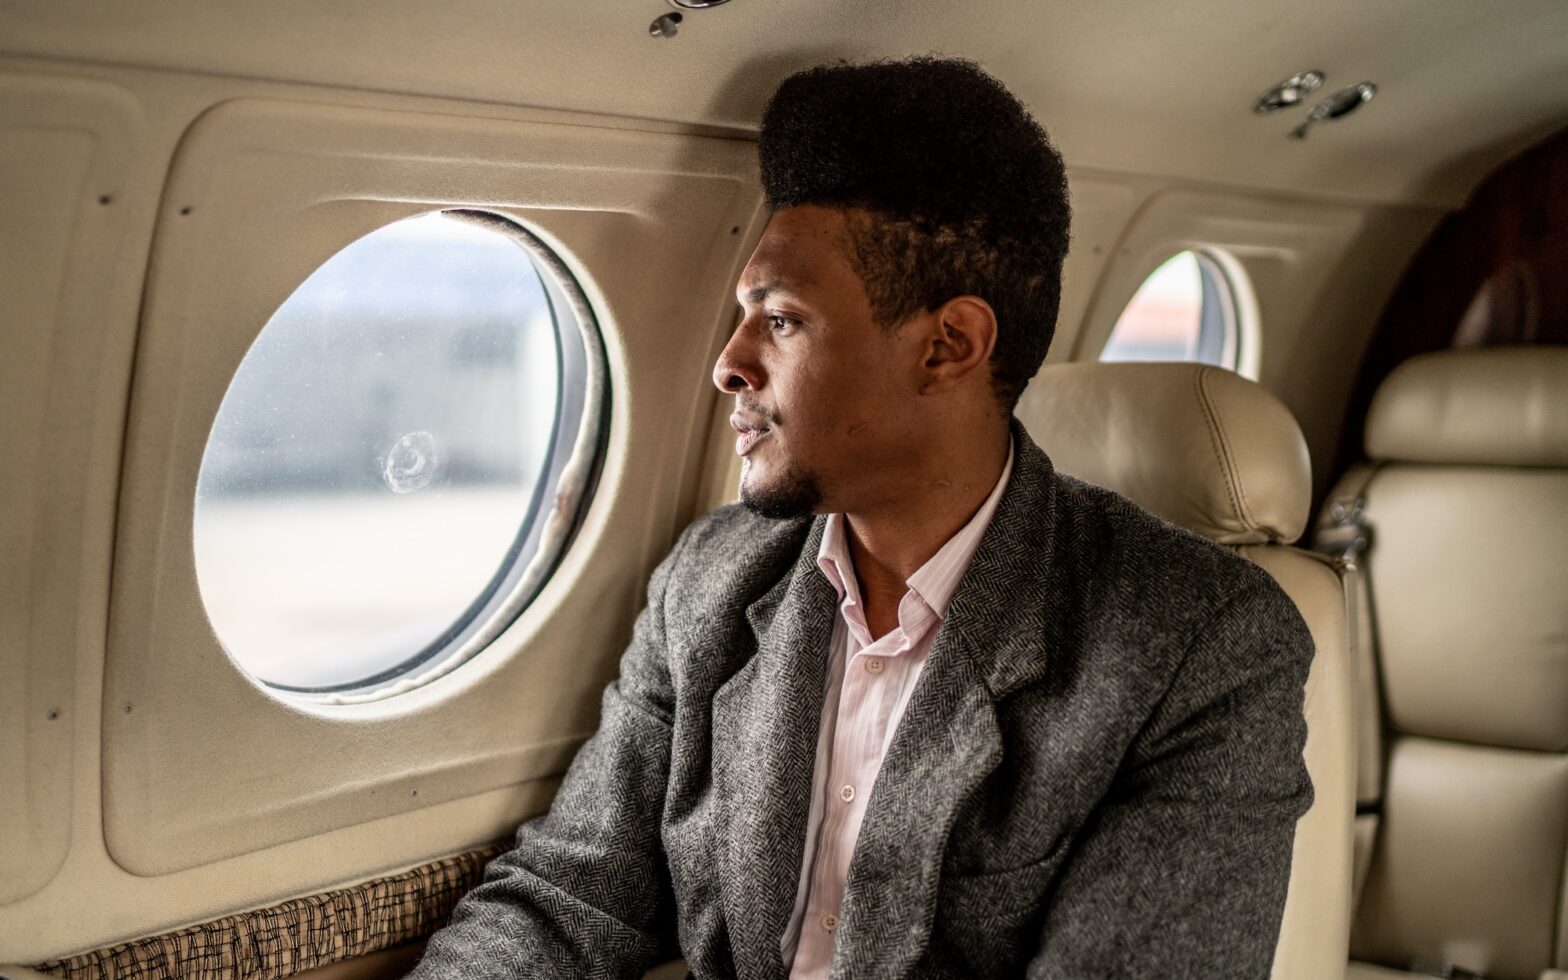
(1465, 517)
(1212, 452)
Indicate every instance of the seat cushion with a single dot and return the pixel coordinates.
(1469, 861)
(1468, 581)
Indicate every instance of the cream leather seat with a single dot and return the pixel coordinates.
(1210, 451)
(1463, 512)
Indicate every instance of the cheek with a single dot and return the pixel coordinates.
(801, 391)
(848, 407)
(841, 397)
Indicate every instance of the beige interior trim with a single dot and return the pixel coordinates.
(65, 149)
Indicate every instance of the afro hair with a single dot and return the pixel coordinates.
(952, 186)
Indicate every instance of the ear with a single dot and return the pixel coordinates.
(961, 336)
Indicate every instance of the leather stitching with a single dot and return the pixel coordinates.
(1221, 446)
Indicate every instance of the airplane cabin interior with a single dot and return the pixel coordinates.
(354, 377)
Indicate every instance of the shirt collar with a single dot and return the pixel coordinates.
(936, 580)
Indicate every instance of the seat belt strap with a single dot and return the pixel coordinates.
(1343, 532)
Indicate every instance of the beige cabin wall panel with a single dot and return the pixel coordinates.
(260, 194)
(93, 903)
(65, 148)
(1318, 273)
(1102, 205)
(638, 269)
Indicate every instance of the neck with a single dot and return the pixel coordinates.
(890, 541)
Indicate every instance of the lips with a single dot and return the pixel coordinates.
(746, 440)
(750, 433)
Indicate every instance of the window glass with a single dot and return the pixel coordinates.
(371, 493)
(1184, 311)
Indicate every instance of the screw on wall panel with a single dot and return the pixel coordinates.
(413, 792)
(185, 210)
(665, 25)
(104, 199)
(127, 709)
(735, 230)
(54, 713)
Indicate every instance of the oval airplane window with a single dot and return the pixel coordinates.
(1185, 310)
(399, 459)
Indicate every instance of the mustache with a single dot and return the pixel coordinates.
(758, 411)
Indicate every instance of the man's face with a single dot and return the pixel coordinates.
(823, 395)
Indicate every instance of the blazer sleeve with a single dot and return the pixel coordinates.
(1184, 867)
(585, 891)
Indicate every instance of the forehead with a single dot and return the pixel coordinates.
(801, 250)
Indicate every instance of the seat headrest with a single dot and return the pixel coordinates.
(1200, 446)
(1499, 406)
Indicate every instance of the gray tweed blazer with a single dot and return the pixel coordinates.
(1098, 775)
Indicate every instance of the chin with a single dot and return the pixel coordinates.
(793, 493)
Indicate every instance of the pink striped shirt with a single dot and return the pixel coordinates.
(870, 681)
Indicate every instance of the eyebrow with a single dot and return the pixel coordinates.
(759, 293)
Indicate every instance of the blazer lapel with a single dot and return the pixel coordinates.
(990, 643)
(765, 724)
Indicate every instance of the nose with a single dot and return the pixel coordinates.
(737, 368)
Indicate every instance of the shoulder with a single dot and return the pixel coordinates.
(1157, 569)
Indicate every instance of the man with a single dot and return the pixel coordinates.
(973, 718)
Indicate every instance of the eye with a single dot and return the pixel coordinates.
(779, 323)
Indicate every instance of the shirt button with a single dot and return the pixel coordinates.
(874, 665)
(829, 923)
(847, 793)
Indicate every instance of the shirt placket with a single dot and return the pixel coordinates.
(868, 694)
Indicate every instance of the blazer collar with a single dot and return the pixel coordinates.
(765, 726)
(995, 613)
(991, 643)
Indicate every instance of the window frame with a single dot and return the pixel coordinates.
(570, 471)
(1227, 318)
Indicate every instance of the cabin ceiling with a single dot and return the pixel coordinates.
(1149, 87)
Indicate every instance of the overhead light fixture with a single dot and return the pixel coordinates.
(1341, 103)
(665, 25)
(669, 25)
(1292, 91)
